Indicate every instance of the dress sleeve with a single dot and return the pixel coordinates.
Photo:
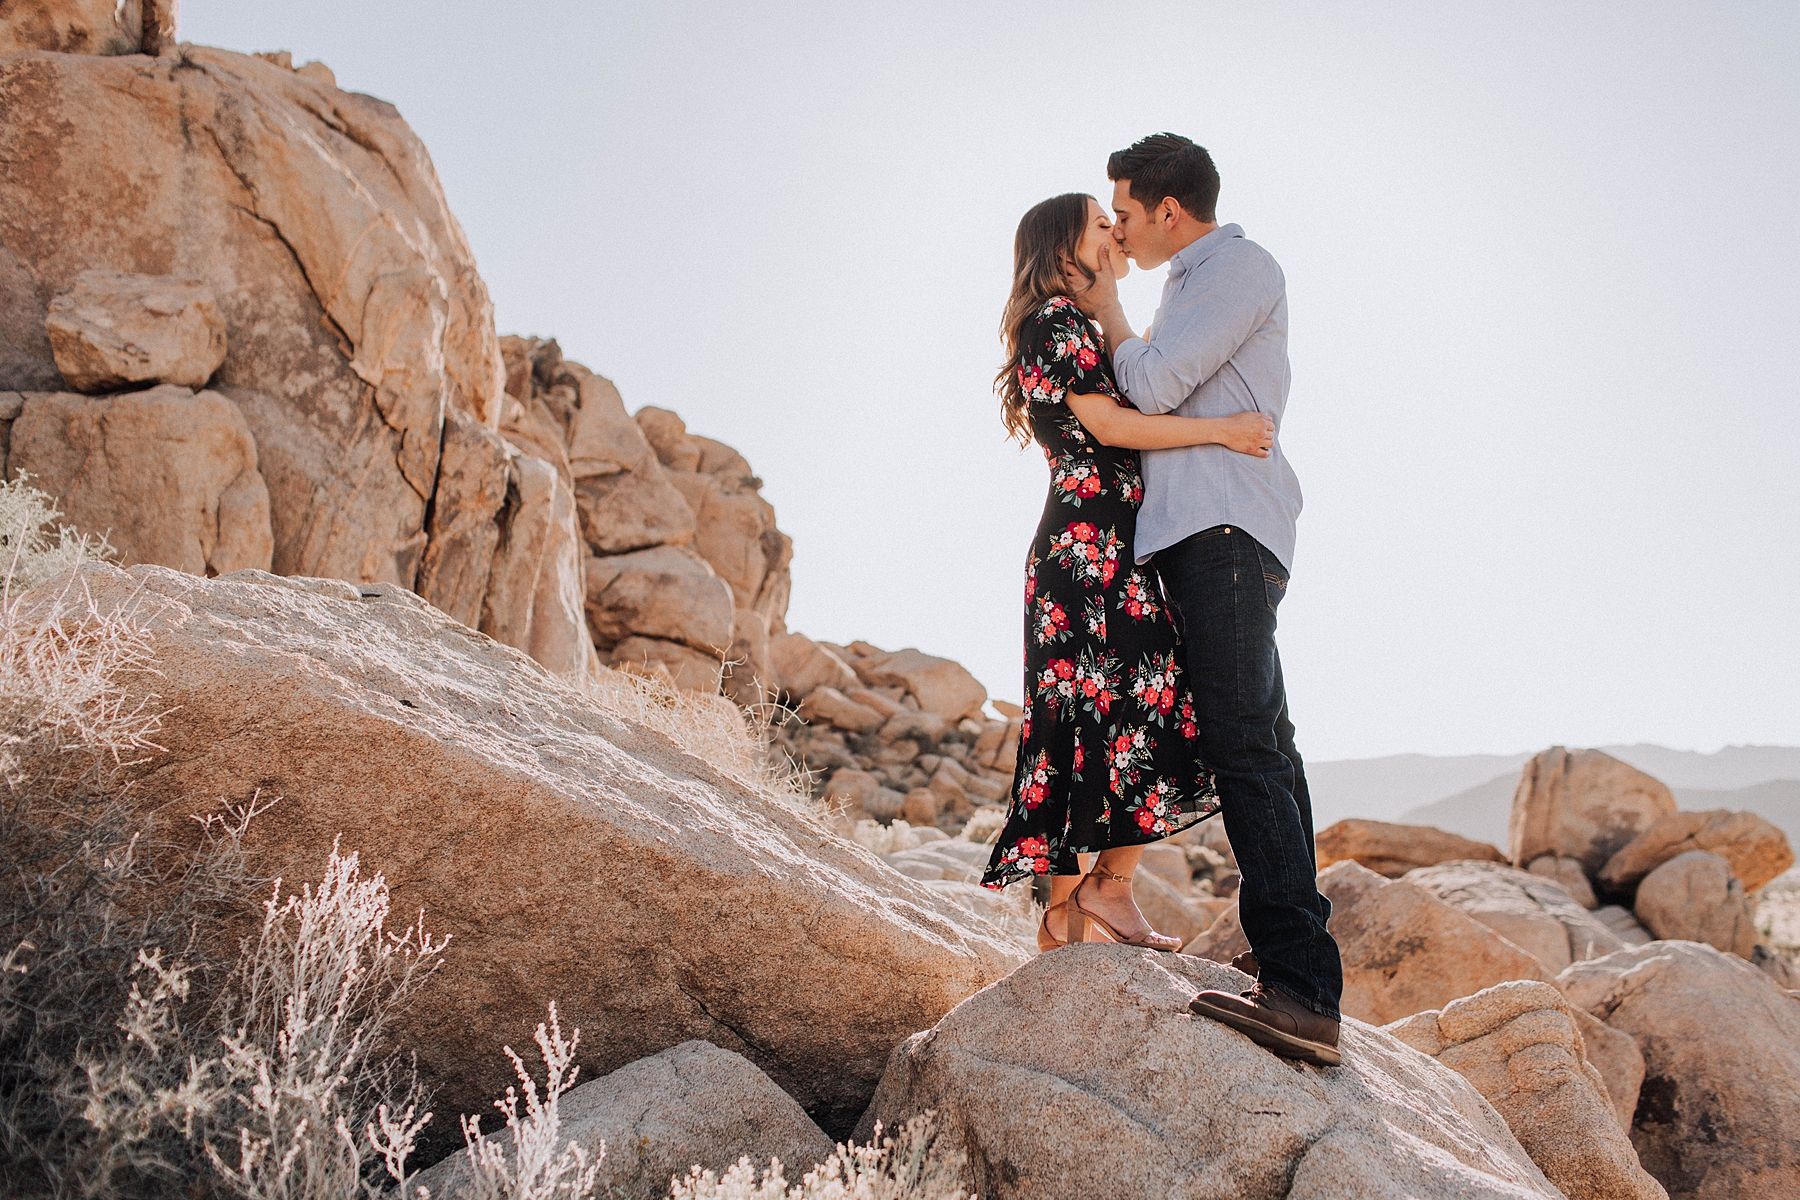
(1059, 354)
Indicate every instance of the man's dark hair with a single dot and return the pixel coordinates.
(1167, 164)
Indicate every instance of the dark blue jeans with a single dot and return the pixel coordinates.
(1224, 587)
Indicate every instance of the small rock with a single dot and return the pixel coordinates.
(918, 727)
(1622, 922)
(1393, 850)
(1568, 872)
(828, 705)
(801, 665)
(114, 330)
(942, 686)
(920, 807)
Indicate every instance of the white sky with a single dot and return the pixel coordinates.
(1541, 264)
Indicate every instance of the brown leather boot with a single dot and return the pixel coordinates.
(1246, 962)
(1275, 1021)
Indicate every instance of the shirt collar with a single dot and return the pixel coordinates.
(1201, 249)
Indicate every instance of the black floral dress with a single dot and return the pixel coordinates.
(1108, 753)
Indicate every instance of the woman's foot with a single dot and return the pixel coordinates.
(1113, 902)
(1106, 895)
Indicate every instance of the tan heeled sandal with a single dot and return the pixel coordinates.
(1048, 941)
(1079, 918)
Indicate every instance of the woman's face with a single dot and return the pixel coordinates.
(1097, 235)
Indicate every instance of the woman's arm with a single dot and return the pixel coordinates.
(1113, 424)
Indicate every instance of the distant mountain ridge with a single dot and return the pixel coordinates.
(1472, 794)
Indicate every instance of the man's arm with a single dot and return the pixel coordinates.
(1204, 324)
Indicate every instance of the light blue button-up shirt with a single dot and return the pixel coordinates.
(1218, 346)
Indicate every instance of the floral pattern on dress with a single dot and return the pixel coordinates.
(1108, 751)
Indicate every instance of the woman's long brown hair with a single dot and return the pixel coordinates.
(1049, 237)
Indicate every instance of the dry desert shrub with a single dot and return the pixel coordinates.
(918, 1164)
(736, 742)
(136, 1057)
(532, 1163)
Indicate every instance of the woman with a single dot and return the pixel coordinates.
(1107, 757)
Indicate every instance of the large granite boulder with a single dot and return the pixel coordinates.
(169, 476)
(354, 316)
(1755, 847)
(115, 330)
(571, 855)
(1520, 1045)
(1694, 898)
(1719, 1114)
(691, 1105)
(941, 686)
(1083, 1074)
(666, 592)
(1393, 850)
(1533, 912)
(1582, 804)
(534, 590)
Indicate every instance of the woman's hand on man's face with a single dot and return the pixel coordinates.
(1103, 292)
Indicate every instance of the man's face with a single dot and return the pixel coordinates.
(1142, 235)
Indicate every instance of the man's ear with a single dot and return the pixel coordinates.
(1168, 212)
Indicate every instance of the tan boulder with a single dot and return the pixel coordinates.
(1393, 850)
(1755, 847)
(688, 669)
(168, 475)
(940, 685)
(1519, 1045)
(1535, 913)
(664, 592)
(1112, 1088)
(851, 793)
(735, 532)
(882, 701)
(908, 725)
(801, 665)
(465, 518)
(1405, 951)
(353, 311)
(1617, 1057)
(1568, 872)
(114, 330)
(828, 705)
(1582, 804)
(564, 849)
(668, 436)
(691, 1105)
(626, 499)
(534, 597)
(1694, 898)
(947, 784)
(1719, 1114)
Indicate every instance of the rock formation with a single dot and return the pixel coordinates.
(1719, 1113)
(1083, 1074)
(570, 855)
(692, 1104)
(1519, 1044)
(1393, 850)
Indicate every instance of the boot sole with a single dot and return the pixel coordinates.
(1284, 1044)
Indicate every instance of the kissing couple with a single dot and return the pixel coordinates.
(1153, 690)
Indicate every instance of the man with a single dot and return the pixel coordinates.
(1221, 529)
